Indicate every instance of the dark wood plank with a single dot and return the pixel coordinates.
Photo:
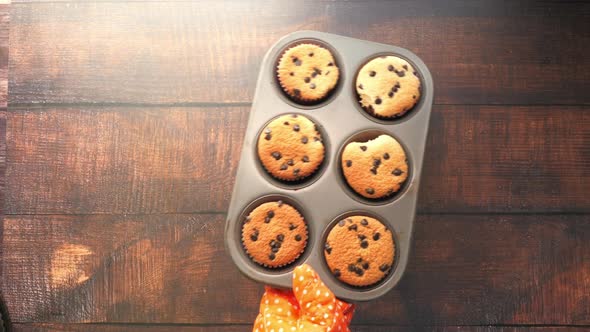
(4, 33)
(463, 270)
(170, 160)
(123, 160)
(48, 327)
(185, 52)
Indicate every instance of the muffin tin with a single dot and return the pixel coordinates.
(325, 198)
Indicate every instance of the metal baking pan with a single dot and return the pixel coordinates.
(325, 198)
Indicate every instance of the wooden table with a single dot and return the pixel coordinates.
(124, 120)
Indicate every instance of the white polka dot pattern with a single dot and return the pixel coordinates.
(310, 307)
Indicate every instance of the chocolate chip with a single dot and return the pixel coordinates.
(271, 256)
(304, 139)
(327, 73)
(359, 260)
(305, 159)
(384, 267)
(372, 73)
(283, 167)
(390, 68)
(400, 73)
(312, 86)
(378, 101)
(286, 123)
(351, 267)
(317, 70)
(360, 86)
(295, 59)
(281, 237)
(341, 223)
(364, 222)
(359, 272)
(376, 163)
(413, 96)
(275, 249)
(310, 54)
(364, 148)
(361, 237)
(386, 156)
(370, 191)
(277, 155)
(292, 73)
(273, 243)
(366, 265)
(397, 172)
(297, 237)
(405, 67)
(415, 74)
(296, 127)
(267, 137)
(348, 163)
(376, 236)
(352, 227)
(364, 244)
(336, 273)
(296, 171)
(330, 64)
(290, 162)
(296, 92)
(397, 85)
(269, 216)
(328, 248)
(307, 80)
(292, 226)
(390, 94)
(254, 237)
(314, 74)
(280, 203)
(298, 62)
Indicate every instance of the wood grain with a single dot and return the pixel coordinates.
(183, 160)
(463, 270)
(185, 52)
(115, 177)
(50, 327)
(4, 33)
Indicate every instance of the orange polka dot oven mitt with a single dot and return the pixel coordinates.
(310, 307)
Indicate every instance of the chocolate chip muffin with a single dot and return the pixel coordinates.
(307, 73)
(388, 87)
(375, 169)
(359, 250)
(290, 148)
(274, 234)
